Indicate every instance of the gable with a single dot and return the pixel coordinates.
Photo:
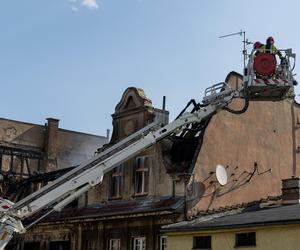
(133, 98)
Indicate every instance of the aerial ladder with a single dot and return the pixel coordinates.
(67, 188)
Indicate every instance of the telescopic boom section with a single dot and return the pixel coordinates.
(57, 195)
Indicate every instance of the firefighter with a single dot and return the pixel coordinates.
(271, 48)
(259, 47)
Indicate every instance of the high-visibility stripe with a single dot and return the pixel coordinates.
(257, 81)
(270, 81)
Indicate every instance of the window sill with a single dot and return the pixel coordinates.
(139, 195)
(245, 246)
(201, 248)
(115, 198)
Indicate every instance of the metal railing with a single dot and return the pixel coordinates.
(284, 66)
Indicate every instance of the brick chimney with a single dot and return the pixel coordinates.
(291, 191)
(51, 145)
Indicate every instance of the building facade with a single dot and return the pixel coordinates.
(30, 152)
(176, 179)
(265, 224)
(258, 149)
(267, 237)
(132, 203)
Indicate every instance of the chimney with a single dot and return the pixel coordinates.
(107, 134)
(291, 190)
(51, 145)
(162, 115)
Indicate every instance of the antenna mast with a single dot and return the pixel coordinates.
(245, 43)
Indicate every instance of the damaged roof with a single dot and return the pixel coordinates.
(250, 217)
(122, 208)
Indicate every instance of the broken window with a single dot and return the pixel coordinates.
(116, 182)
(142, 175)
(139, 243)
(115, 244)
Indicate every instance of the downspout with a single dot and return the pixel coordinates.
(293, 139)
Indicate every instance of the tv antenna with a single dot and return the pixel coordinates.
(245, 43)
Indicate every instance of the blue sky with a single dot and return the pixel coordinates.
(72, 59)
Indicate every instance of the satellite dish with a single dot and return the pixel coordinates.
(221, 175)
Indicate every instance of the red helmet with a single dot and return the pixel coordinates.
(257, 44)
(271, 39)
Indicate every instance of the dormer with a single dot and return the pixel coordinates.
(132, 113)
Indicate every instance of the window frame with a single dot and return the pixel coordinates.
(206, 242)
(118, 243)
(141, 246)
(239, 243)
(93, 245)
(145, 175)
(163, 245)
(116, 176)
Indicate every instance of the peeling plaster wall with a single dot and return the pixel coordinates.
(263, 134)
(21, 133)
(27, 135)
(69, 148)
(57, 148)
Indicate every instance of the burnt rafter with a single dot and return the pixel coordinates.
(23, 156)
(20, 152)
(180, 149)
(16, 190)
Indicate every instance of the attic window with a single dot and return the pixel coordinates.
(116, 182)
(245, 239)
(141, 175)
(130, 103)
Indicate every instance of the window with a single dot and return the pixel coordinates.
(31, 245)
(142, 175)
(57, 245)
(202, 242)
(245, 239)
(115, 244)
(116, 182)
(91, 245)
(139, 243)
(163, 243)
(37, 186)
